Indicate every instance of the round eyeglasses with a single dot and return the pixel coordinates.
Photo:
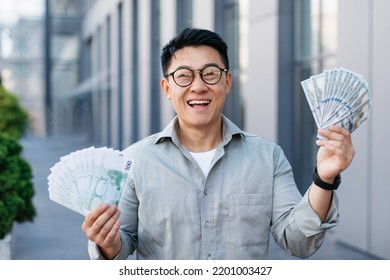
(184, 76)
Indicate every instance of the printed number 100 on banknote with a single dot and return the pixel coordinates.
(89, 177)
(107, 184)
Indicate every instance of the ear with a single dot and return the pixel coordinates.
(229, 81)
(166, 88)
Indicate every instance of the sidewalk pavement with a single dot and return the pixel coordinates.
(55, 233)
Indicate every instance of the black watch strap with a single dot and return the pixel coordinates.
(326, 186)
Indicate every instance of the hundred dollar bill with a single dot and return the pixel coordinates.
(338, 96)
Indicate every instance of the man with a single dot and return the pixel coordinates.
(204, 189)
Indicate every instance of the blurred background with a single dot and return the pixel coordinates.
(91, 69)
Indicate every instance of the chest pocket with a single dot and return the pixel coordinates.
(249, 218)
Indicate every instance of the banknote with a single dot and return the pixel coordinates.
(338, 97)
(89, 177)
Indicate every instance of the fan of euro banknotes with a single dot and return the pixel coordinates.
(338, 97)
(89, 177)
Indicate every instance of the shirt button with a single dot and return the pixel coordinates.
(209, 257)
(206, 192)
(207, 224)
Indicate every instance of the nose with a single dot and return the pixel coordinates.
(198, 84)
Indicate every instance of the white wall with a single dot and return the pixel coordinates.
(260, 90)
(364, 47)
(144, 66)
(167, 31)
(380, 129)
(203, 14)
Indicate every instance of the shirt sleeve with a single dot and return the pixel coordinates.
(295, 226)
(95, 253)
(309, 222)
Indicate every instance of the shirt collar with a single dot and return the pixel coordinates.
(229, 130)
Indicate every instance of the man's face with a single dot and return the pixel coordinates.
(198, 105)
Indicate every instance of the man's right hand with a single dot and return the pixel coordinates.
(101, 226)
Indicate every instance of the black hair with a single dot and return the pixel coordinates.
(192, 37)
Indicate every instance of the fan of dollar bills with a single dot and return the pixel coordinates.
(86, 178)
(338, 97)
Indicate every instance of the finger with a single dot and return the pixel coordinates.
(109, 230)
(339, 147)
(335, 147)
(342, 131)
(113, 232)
(105, 226)
(341, 152)
(94, 231)
(91, 217)
(335, 132)
(104, 218)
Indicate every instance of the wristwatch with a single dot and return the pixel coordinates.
(326, 186)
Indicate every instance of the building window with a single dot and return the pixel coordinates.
(98, 116)
(134, 71)
(87, 60)
(315, 37)
(227, 24)
(108, 88)
(315, 34)
(120, 77)
(155, 71)
(183, 14)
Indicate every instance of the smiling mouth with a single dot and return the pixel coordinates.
(202, 103)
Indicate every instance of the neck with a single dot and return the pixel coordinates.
(201, 139)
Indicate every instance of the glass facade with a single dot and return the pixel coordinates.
(307, 45)
(120, 74)
(108, 82)
(63, 71)
(183, 14)
(155, 68)
(135, 131)
(227, 20)
(315, 50)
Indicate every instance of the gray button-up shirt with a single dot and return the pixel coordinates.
(170, 210)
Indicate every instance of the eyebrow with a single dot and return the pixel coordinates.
(204, 66)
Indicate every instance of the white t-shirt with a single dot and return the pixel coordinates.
(204, 160)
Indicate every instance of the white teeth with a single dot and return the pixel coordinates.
(198, 102)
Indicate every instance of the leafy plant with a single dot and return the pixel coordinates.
(16, 188)
(13, 118)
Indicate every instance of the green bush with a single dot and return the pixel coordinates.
(13, 118)
(16, 188)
